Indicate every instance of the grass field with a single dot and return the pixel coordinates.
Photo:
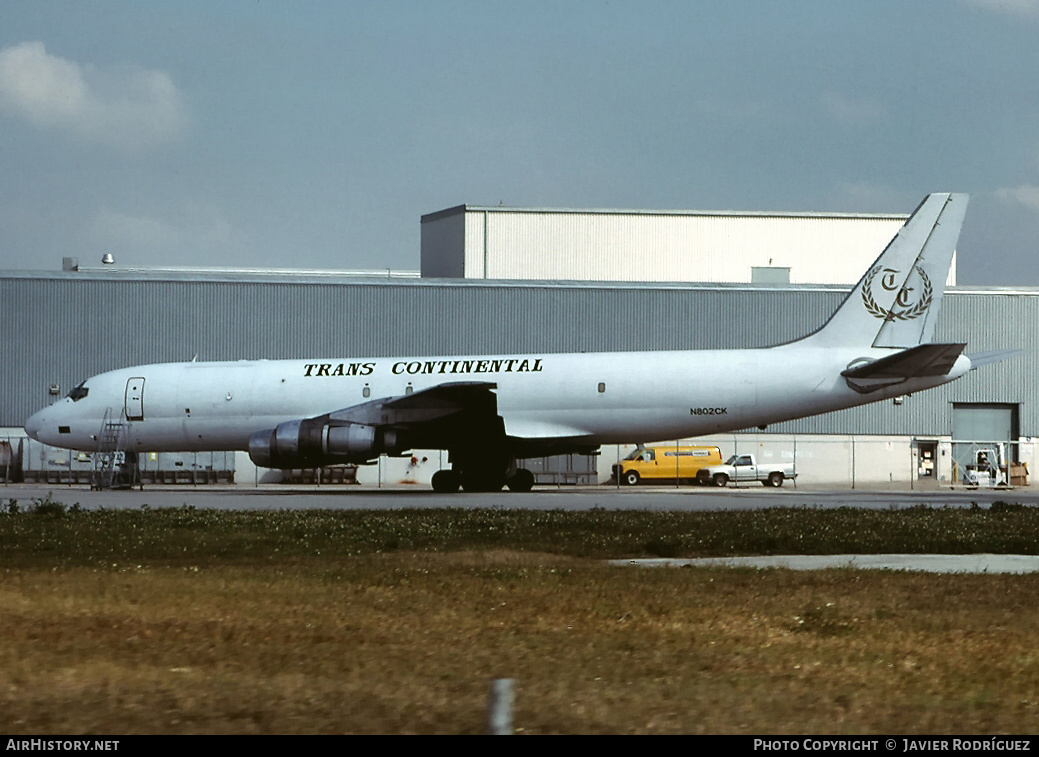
(186, 621)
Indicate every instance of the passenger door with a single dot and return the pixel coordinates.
(134, 403)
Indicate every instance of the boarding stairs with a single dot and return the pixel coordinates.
(110, 458)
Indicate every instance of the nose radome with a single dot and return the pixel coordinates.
(35, 423)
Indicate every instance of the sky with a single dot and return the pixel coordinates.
(315, 135)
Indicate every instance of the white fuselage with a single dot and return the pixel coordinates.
(593, 398)
(303, 413)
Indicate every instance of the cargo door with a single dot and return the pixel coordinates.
(134, 408)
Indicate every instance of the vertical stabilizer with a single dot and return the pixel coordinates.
(896, 302)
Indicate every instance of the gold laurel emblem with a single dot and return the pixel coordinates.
(901, 315)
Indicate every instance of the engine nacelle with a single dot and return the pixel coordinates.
(313, 442)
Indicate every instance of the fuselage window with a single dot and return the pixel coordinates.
(79, 392)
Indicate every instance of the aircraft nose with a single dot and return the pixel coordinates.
(35, 424)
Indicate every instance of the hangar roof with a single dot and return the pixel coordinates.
(412, 279)
(642, 212)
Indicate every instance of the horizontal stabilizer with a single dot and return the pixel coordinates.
(988, 358)
(922, 360)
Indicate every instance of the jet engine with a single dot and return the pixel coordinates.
(317, 441)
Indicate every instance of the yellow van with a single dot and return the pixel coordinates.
(665, 463)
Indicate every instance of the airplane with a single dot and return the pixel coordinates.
(488, 411)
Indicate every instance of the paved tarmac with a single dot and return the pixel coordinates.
(980, 563)
(278, 497)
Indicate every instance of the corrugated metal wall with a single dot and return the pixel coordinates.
(60, 328)
(511, 243)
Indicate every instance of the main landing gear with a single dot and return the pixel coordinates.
(483, 473)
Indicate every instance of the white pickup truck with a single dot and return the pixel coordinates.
(746, 468)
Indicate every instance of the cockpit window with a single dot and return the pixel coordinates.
(79, 392)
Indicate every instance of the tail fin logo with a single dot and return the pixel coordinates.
(903, 308)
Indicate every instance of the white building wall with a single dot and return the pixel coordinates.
(474, 250)
(837, 461)
(620, 245)
(822, 461)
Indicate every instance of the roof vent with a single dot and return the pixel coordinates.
(107, 259)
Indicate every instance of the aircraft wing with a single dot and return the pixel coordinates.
(443, 399)
(453, 415)
(436, 403)
(540, 429)
(538, 438)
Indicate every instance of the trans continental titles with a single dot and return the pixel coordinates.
(427, 367)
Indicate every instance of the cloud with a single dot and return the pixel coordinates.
(1017, 8)
(867, 197)
(1026, 194)
(127, 106)
(123, 231)
(737, 110)
(191, 234)
(855, 111)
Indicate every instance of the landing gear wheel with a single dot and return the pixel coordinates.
(481, 481)
(631, 478)
(775, 479)
(483, 469)
(445, 481)
(523, 481)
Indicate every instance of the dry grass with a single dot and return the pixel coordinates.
(406, 643)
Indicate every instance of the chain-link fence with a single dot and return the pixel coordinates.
(989, 464)
(895, 462)
(24, 459)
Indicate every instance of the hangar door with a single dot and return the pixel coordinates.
(984, 422)
(980, 423)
